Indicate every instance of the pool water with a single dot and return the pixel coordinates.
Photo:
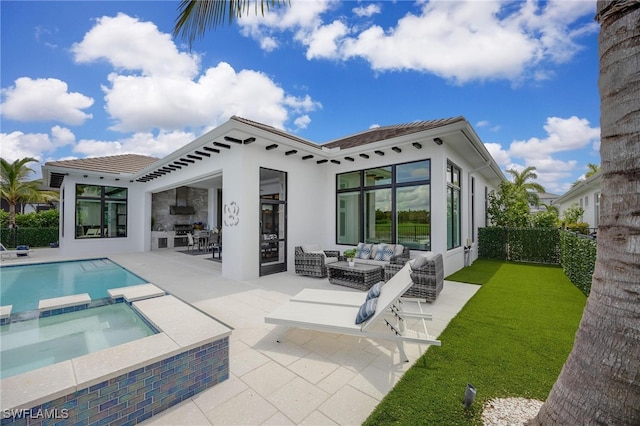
(23, 286)
(27, 345)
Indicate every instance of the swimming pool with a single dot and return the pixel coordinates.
(27, 345)
(23, 286)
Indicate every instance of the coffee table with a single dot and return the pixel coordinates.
(360, 276)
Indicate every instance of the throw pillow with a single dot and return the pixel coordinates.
(374, 291)
(310, 248)
(366, 311)
(363, 251)
(385, 251)
(419, 263)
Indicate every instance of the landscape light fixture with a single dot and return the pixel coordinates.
(469, 395)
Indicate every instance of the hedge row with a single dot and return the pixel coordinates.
(32, 237)
(578, 259)
(537, 245)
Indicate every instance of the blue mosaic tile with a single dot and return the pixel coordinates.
(135, 396)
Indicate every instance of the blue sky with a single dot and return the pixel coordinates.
(91, 78)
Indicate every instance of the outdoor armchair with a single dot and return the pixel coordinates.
(312, 261)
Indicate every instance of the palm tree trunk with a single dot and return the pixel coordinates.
(600, 382)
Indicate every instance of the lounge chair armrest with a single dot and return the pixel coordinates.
(332, 253)
(310, 258)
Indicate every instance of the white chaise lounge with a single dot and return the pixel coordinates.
(4, 252)
(335, 312)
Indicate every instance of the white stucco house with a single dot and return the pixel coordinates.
(422, 184)
(585, 194)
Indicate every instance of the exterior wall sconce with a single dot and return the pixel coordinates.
(437, 141)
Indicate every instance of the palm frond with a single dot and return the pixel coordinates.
(196, 17)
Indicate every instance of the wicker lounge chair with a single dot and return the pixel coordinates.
(427, 276)
(310, 260)
(341, 319)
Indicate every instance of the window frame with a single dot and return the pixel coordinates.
(453, 189)
(105, 205)
(364, 189)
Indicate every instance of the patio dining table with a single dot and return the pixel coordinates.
(202, 240)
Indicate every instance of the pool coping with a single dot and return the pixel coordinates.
(181, 328)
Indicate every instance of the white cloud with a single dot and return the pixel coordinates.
(366, 11)
(500, 155)
(154, 86)
(44, 99)
(563, 135)
(322, 43)
(130, 44)
(460, 41)
(61, 136)
(17, 145)
(302, 122)
(144, 143)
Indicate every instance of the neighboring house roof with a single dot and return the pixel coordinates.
(592, 182)
(387, 132)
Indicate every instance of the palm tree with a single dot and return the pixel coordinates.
(195, 17)
(593, 169)
(599, 383)
(520, 181)
(16, 189)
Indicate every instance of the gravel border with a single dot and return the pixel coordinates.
(509, 411)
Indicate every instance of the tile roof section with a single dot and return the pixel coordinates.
(388, 132)
(116, 164)
(273, 130)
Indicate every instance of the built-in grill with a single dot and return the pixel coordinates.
(181, 230)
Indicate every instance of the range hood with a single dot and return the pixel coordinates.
(182, 200)
(181, 210)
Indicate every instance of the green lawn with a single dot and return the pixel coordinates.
(510, 339)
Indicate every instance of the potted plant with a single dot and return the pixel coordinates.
(350, 254)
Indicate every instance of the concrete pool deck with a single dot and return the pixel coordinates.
(309, 378)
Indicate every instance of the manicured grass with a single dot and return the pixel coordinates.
(479, 273)
(510, 339)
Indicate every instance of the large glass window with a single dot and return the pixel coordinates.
(388, 204)
(454, 208)
(414, 216)
(101, 211)
(348, 218)
(378, 216)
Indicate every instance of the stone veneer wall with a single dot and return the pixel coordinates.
(135, 396)
(161, 201)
